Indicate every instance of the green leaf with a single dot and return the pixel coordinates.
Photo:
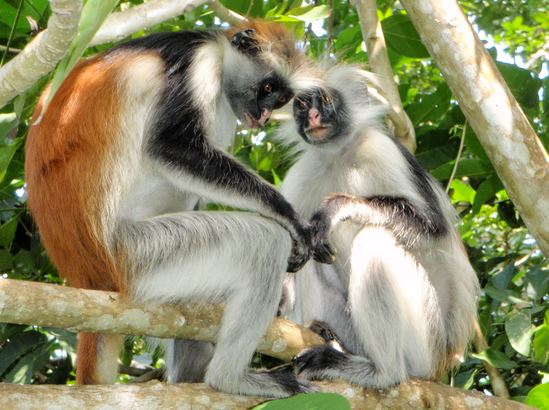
(93, 15)
(7, 122)
(486, 190)
(503, 295)
(495, 358)
(541, 344)
(539, 397)
(310, 13)
(431, 106)
(462, 192)
(5, 260)
(7, 232)
(519, 329)
(6, 155)
(466, 168)
(19, 344)
(402, 37)
(311, 401)
(465, 379)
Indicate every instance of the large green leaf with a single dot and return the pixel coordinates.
(431, 107)
(539, 397)
(7, 232)
(496, 359)
(19, 344)
(311, 401)
(541, 344)
(519, 329)
(466, 168)
(6, 155)
(402, 37)
(486, 190)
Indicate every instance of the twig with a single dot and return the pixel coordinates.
(498, 384)
(458, 156)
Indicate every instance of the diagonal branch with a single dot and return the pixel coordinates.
(124, 23)
(378, 60)
(42, 54)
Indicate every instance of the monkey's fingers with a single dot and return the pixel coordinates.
(324, 253)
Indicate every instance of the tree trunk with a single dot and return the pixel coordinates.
(499, 123)
(414, 394)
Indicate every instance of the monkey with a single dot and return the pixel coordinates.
(116, 164)
(401, 294)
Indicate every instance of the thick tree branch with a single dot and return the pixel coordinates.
(34, 303)
(378, 59)
(155, 395)
(42, 54)
(499, 123)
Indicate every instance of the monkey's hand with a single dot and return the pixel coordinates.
(323, 251)
(245, 42)
(302, 249)
(322, 224)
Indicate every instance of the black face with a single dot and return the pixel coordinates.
(320, 115)
(269, 94)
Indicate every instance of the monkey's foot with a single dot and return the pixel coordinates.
(325, 331)
(319, 362)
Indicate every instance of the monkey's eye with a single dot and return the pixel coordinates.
(268, 88)
(302, 104)
(283, 99)
(327, 99)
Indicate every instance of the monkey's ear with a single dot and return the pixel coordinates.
(245, 42)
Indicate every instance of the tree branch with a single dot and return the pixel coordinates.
(496, 380)
(498, 121)
(42, 54)
(120, 25)
(41, 304)
(378, 60)
(414, 394)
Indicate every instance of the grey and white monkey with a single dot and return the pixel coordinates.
(130, 142)
(401, 294)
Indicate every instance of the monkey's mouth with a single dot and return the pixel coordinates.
(317, 133)
(252, 122)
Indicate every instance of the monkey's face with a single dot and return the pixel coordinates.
(320, 115)
(255, 103)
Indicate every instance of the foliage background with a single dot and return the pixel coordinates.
(513, 307)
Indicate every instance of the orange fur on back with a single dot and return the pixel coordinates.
(68, 164)
(65, 165)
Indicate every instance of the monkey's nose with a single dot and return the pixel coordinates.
(314, 118)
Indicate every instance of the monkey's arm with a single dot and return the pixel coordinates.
(407, 221)
(209, 172)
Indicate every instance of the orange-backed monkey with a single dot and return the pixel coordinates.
(130, 142)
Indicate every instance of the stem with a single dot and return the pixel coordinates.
(460, 150)
(12, 32)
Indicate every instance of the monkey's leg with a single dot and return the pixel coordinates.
(187, 360)
(394, 313)
(237, 258)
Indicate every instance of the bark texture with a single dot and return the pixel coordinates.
(42, 54)
(156, 395)
(120, 25)
(80, 310)
(378, 60)
(499, 123)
